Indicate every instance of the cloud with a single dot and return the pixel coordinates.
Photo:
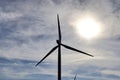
(28, 30)
(9, 16)
(112, 72)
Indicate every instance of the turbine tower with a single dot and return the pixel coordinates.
(59, 44)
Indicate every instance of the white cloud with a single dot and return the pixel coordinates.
(44, 23)
(6, 16)
(111, 72)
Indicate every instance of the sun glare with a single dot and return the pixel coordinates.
(87, 27)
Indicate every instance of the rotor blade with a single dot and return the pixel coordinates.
(76, 50)
(75, 77)
(59, 30)
(46, 55)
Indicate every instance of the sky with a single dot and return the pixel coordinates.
(28, 31)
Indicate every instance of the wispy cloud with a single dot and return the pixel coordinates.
(28, 30)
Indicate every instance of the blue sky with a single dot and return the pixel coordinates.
(28, 30)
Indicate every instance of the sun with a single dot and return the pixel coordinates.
(88, 27)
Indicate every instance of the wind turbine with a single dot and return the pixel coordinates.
(75, 77)
(59, 44)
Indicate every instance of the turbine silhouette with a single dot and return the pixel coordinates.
(75, 77)
(59, 44)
